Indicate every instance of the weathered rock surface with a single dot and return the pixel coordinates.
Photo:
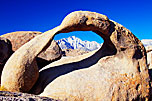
(5, 49)
(19, 38)
(11, 96)
(5, 52)
(117, 71)
(55, 69)
(53, 52)
(20, 71)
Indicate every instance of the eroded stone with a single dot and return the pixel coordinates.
(19, 38)
(117, 71)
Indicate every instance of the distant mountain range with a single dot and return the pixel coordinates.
(147, 42)
(76, 43)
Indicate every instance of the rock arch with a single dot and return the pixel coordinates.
(122, 52)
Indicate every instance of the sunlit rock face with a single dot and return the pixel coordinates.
(19, 38)
(116, 71)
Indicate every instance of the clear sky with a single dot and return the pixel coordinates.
(42, 15)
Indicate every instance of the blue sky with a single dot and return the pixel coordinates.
(43, 15)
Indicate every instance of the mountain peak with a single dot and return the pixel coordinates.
(76, 43)
(147, 42)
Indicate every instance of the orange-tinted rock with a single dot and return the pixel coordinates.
(117, 71)
(19, 38)
(21, 72)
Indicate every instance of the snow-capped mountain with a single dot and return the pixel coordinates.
(147, 42)
(76, 43)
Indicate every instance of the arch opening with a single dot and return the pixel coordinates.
(81, 40)
(65, 66)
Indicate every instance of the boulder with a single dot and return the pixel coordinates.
(21, 71)
(51, 54)
(117, 71)
(5, 52)
(12, 96)
(57, 68)
(19, 38)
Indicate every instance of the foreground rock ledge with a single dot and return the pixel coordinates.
(12, 96)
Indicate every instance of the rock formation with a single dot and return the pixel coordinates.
(51, 71)
(11, 96)
(149, 63)
(5, 52)
(19, 38)
(51, 54)
(117, 71)
(20, 71)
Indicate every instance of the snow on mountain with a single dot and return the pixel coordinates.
(147, 42)
(76, 43)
